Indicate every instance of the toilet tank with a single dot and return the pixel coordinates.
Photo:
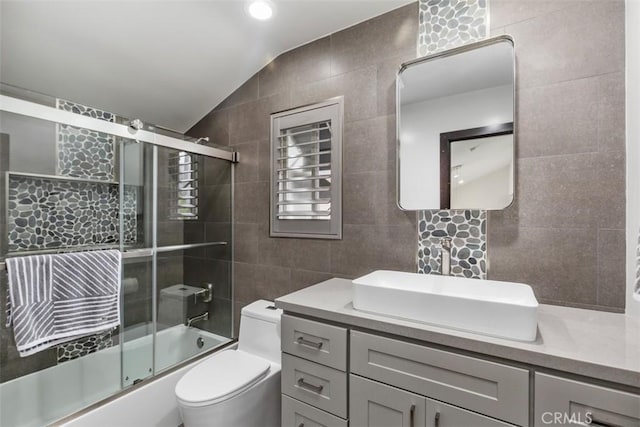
(260, 330)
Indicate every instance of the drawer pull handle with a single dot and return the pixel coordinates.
(597, 423)
(311, 387)
(437, 419)
(412, 413)
(303, 341)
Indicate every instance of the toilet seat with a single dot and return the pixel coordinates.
(220, 377)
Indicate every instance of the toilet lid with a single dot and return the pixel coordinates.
(220, 377)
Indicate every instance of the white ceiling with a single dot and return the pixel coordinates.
(165, 62)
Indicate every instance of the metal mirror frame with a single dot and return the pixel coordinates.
(443, 54)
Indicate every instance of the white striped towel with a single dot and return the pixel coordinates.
(58, 298)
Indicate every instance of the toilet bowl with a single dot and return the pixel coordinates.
(237, 388)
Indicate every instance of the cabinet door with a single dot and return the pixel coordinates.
(373, 404)
(442, 415)
(560, 401)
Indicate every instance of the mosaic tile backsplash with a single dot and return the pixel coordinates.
(84, 153)
(467, 230)
(52, 213)
(445, 24)
(84, 346)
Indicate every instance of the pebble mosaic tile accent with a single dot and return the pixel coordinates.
(445, 24)
(51, 213)
(84, 346)
(84, 153)
(467, 230)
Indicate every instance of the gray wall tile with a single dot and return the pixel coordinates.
(358, 88)
(364, 44)
(560, 46)
(214, 125)
(611, 268)
(560, 264)
(560, 234)
(369, 145)
(306, 64)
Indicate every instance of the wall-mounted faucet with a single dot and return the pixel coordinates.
(206, 294)
(445, 256)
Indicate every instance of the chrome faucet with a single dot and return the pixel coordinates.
(192, 320)
(445, 256)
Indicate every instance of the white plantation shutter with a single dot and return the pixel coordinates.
(183, 175)
(306, 153)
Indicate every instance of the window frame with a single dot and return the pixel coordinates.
(333, 110)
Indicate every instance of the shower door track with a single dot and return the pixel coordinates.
(44, 112)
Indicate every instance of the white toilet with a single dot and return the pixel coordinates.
(238, 388)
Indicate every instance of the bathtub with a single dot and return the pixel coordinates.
(44, 396)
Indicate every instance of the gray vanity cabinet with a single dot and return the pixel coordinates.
(560, 401)
(335, 376)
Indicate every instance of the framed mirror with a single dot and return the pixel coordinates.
(455, 128)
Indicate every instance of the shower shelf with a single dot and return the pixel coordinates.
(61, 178)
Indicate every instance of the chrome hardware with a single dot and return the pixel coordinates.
(437, 419)
(445, 256)
(135, 125)
(311, 387)
(200, 342)
(305, 342)
(412, 413)
(598, 423)
(206, 294)
(192, 320)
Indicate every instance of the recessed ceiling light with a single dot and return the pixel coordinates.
(260, 9)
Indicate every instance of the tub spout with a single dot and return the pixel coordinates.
(192, 320)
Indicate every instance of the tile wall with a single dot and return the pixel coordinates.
(564, 234)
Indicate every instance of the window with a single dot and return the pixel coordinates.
(306, 171)
(183, 173)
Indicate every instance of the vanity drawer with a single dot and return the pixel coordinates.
(568, 399)
(296, 414)
(317, 385)
(315, 341)
(488, 388)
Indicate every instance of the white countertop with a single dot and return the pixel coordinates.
(595, 344)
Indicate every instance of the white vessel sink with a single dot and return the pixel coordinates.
(501, 309)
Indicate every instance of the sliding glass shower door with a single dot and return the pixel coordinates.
(179, 272)
(74, 178)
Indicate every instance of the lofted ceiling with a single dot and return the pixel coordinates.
(165, 62)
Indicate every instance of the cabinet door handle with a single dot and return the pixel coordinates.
(305, 342)
(314, 388)
(597, 423)
(412, 413)
(437, 419)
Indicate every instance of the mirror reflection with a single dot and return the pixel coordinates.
(455, 128)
